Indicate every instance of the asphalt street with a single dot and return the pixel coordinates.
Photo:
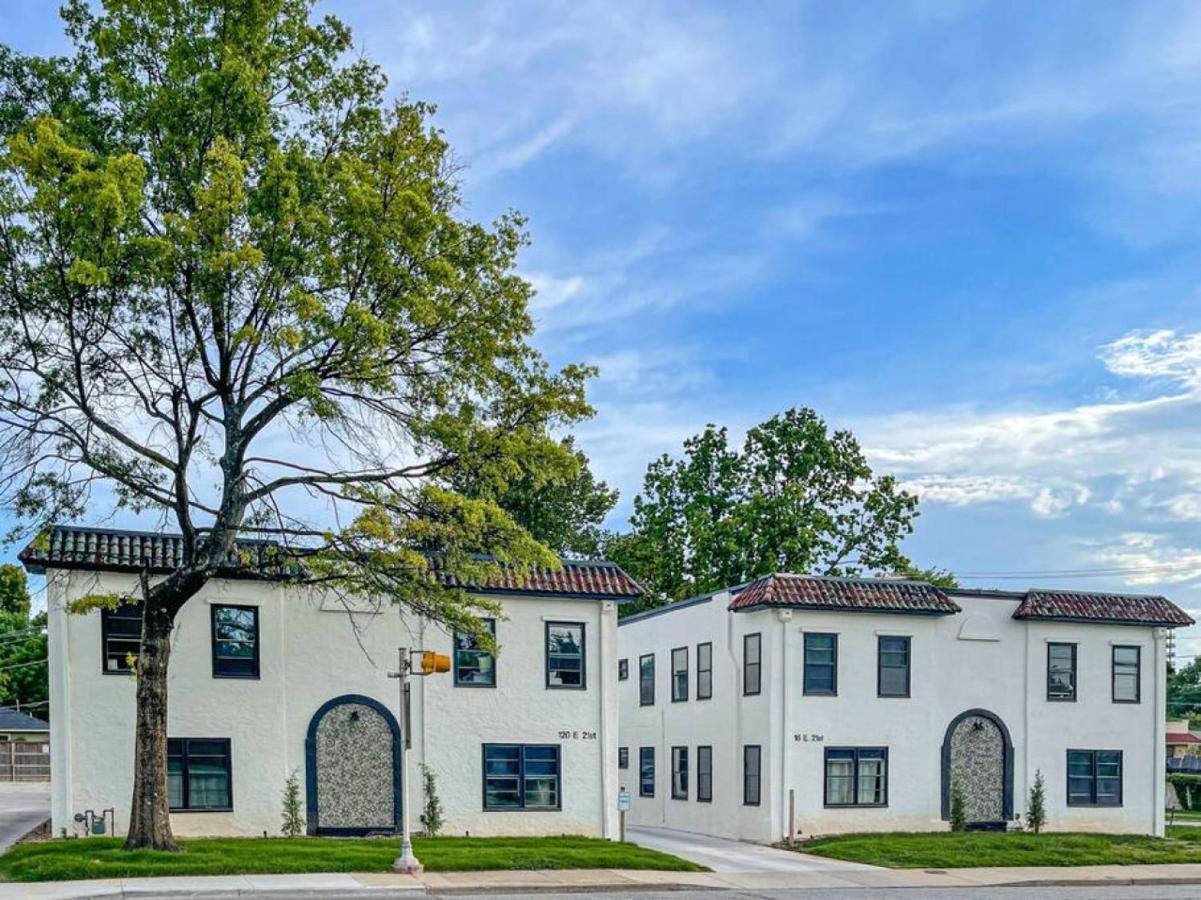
(20, 812)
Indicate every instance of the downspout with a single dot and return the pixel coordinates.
(785, 616)
(608, 754)
(1159, 764)
(1030, 683)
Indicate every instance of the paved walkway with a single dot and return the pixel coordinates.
(724, 855)
(378, 886)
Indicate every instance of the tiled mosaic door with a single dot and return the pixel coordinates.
(978, 768)
(354, 770)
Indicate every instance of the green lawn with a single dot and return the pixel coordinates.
(946, 850)
(62, 860)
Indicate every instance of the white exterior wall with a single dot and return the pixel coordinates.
(981, 658)
(310, 654)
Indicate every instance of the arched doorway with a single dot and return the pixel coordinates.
(353, 774)
(977, 755)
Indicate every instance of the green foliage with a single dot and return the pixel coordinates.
(1188, 789)
(942, 578)
(1036, 809)
(1184, 692)
(292, 820)
(431, 814)
(24, 676)
(946, 850)
(14, 594)
(958, 808)
(68, 860)
(557, 500)
(796, 498)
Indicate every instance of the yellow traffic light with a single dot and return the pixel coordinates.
(432, 662)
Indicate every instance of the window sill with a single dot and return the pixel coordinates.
(524, 809)
(225, 677)
(474, 684)
(894, 696)
(1128, 702)
(567, 687)
(207, 809)
(1061, 699)
(855, 806)
(819, 693)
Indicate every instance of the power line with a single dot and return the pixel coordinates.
(32, 662)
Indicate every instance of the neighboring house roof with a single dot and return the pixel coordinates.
(11, 720)
(852, 594)
(1090, 606)
(1181, 737)
(113, 550)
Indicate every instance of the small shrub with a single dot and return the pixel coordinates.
(1036, 813)
(431, 817)
(958, 808)
(293, 816)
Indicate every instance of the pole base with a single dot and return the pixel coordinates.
(407, 865)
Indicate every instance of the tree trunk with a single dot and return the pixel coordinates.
(149, 820)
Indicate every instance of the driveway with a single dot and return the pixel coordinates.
(20, 812)
(723, 855)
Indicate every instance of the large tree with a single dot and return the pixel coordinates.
(238, 292)
(797, 497)
(559, 501)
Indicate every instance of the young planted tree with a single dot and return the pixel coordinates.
(237, 292)
(1036, 812)
(796, 498)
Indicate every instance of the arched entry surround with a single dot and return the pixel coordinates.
(1006, 757)
(312, 795)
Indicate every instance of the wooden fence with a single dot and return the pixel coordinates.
(24, 761)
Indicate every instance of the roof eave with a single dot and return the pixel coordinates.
(1088, 620)
(819, 607)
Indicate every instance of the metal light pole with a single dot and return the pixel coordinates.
(430, 664)
(406, 863)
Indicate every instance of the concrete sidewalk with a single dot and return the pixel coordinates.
(383, 885)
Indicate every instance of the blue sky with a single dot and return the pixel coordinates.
(967, 231)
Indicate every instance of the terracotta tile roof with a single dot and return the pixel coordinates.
(1181, 737)
(1089, 606)
(113, 550)
(857, 594)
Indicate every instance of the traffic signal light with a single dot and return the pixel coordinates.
(432, 662)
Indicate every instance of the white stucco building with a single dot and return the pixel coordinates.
(267, 680)
(853, 705)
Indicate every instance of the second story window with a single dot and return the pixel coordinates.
(892, 673)
(704, 671)
(821, 664)
(1126, 665)
(623, 669)
(474, 667)
(646, 680)
(679, 674)
(120, 637)
(752, 664)
(235, 641)
(565, 655)
(1061, 672)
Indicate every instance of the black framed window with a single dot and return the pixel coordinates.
(704, 774)
(120, 637)
(856, 776)
(704, 671)
(623, 669)
(474, 666)
(1127, 670)
(199, 774)
(623, 757)
(1061, 671)
(752, 664)
(821, 664)
(892, 673)
(751, 757)
(646, 771)
(1094, 778)
(235, 641)
(565, 663)
(646, 680)
(522, 776)
(679, 674)
(679, 773)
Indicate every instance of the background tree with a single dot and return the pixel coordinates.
(24, 682)
(796, 498)
(558, 500)
(1184, 693)
(237, 292)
